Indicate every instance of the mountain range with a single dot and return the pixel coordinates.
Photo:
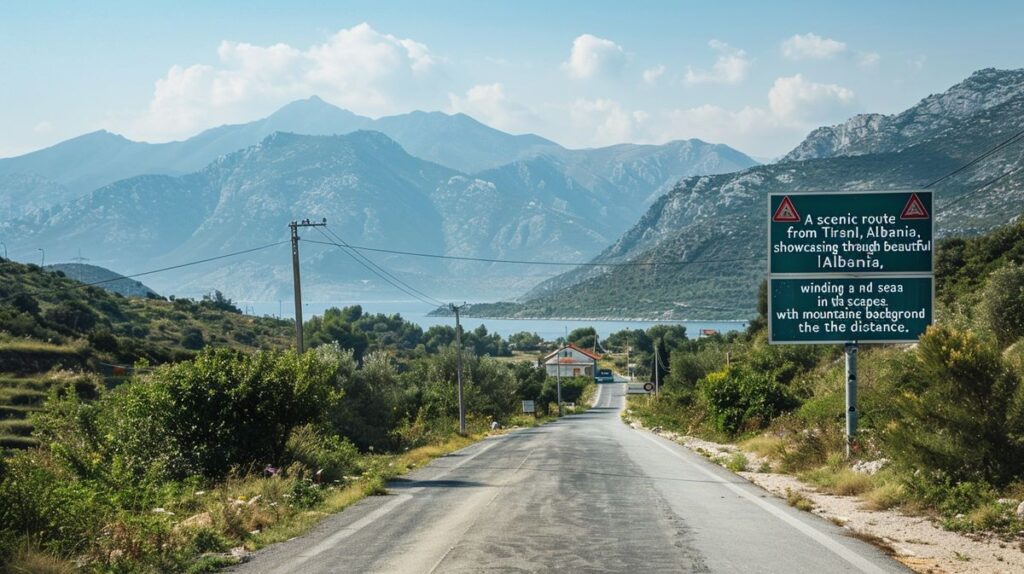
(699, 250)
(425, 182)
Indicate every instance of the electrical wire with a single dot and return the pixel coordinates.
(1008, 141)
(555, 263)
(163, 269)
(382, 269)
(380, 272)
(991, 182)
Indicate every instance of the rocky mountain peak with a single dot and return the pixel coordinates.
(877, 133)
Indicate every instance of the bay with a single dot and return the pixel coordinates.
(417, 312)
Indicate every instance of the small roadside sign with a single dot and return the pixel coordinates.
(914, 209)
(528, 407)
(786, 213)
(649, 387)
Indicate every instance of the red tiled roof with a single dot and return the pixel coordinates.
(575, 348)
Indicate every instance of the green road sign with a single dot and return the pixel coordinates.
(839, 310)
(846, 267)
(856, 232)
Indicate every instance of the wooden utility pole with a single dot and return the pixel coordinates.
(458, 364)
(295, 225)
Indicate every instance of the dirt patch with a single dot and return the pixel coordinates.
(915, 541)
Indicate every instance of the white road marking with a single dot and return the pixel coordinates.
(333, 540)
(843, 552)
(597, 397)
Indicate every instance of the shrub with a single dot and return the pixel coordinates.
(221, 410)
(956, 411)
(103, 340)
(335, 457)
(73, 316)
(1001, 308)
(192, 338)
(739, 398)
(41, 499)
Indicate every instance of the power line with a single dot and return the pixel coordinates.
(163, 269)
(983, 187)
(380, 272)
(382, 269)
(1008, 141)
(554, 263)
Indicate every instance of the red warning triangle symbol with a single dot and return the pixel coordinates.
(786, 212)
(914, 209)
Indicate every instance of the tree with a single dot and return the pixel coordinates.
(525, 341)
(584, 337)
(1002, 304)
(956, 410)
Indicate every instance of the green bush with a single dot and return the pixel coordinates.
(222, 410)
(1001, 308)
(72, 316)
(192, 338)
(317, 451)
(39, 498)
(739, 398)
(956, 411)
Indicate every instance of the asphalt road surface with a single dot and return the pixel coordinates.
(584, 494)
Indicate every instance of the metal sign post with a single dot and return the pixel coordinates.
(851, 396)
(849, 268)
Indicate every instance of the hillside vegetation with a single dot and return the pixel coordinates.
(218, 437)
(944, 417)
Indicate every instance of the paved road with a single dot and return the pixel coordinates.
(584, 494)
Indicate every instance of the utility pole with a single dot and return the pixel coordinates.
(295, 225)
(458, 364)
(629, 370)
(558, 370)
(657, 367)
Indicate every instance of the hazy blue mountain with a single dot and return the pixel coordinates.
(370, 190)
(104, 278)
(457, 141)
(499, 195)
(723, 217)
(460, 142)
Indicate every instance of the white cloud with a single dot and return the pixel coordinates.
(795, 99)
(868, 60)
(917, 62)
(605, 122)
(43, 127)
(591, 56)
(795, 105)
(730, 67)
(489, 104)
(358, 68)
(811, 47)
(651, 75)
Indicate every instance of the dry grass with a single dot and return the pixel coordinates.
(885, 496)
(31, 562)
(841, 481)
(340, 498)
(850, 483)
(766, 446)
(798, 501)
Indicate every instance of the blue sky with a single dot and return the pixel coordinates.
(754, 75)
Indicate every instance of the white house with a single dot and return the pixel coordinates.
(571, 361)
